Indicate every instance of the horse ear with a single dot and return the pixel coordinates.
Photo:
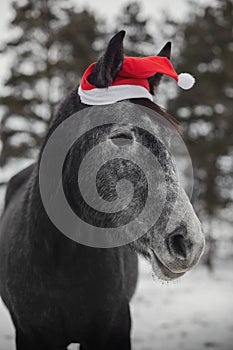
(155, 79)
(110, 63)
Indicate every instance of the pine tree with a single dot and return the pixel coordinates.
(52, 47)
(138, 40)
(205, 111)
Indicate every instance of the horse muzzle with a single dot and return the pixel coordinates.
(181, 252)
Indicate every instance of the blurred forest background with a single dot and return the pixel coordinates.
(52, 42)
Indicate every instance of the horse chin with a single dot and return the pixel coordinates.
(161, 271)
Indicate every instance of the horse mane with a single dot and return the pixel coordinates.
(162, 112)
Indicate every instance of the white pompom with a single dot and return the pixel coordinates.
(185, 81)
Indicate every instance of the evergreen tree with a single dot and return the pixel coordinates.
(52, 47)
(138, 40)
(205, 111)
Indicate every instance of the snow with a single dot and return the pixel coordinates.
(193, 313)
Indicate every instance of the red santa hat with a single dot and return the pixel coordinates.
(131, 80)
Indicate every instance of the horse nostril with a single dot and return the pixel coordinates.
(178, 246)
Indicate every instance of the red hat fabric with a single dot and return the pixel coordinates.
(132, 77)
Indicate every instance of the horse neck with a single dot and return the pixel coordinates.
(39, 220)
(54, 252)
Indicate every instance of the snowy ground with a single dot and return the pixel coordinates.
(195, 313)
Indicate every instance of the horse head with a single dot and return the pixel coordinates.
(150, 210)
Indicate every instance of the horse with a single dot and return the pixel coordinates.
(59, 291)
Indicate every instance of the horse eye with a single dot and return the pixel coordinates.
(122, 138)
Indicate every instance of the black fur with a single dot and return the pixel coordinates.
(58, 291)
(109, 64)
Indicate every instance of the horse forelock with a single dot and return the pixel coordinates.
(72, 104)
